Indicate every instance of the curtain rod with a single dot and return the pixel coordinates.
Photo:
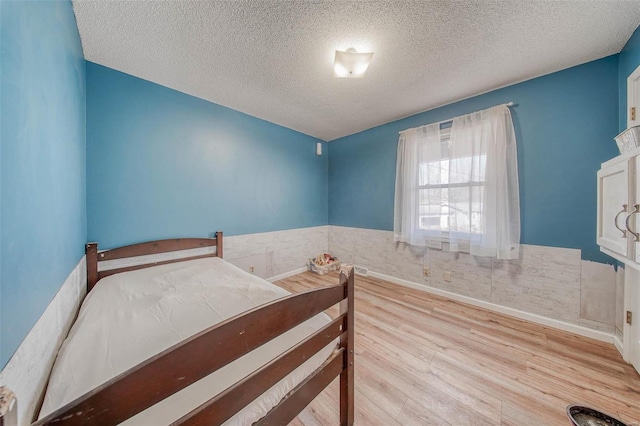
(451, 119)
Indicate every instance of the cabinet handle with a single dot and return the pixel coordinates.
(615, 221)
(636, 235)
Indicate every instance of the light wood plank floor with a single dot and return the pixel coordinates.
(425, 360)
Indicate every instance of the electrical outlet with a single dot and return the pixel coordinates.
(426, 272)
(447, 276)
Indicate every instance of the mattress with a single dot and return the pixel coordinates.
(131, 316)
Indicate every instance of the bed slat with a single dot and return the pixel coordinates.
(226, 404)
(106, 273)
(305, 392)
(156, 247)
(192, 359)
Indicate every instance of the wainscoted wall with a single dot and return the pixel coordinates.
(282, 252)
(43, 225)
(546, 281)
(27, 372)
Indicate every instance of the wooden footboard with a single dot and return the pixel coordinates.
(200, 355)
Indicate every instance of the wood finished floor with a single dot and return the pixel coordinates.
(425, 360)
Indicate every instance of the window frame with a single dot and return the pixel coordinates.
(445, 137)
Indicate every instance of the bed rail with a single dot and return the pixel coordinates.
(144, 249)
(168, 372)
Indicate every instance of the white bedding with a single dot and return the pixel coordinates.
(131, 316)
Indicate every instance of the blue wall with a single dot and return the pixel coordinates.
(42, 215)
(164, 164)
(564, 125)
(629, 60)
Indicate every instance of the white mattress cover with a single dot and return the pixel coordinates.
(131, 316)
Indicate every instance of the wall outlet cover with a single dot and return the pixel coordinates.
(361, 270)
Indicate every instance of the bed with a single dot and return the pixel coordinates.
(197, 341)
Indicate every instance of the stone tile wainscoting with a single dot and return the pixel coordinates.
(27, 371)
(276, 255)
(549, 285)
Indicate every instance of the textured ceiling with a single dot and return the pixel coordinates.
(274, 60)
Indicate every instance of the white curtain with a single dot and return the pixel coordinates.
(460, 185)
(413, 147)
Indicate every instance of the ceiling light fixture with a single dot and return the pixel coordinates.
(351, 64)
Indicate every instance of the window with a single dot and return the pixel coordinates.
(447, 197)
(460, 185)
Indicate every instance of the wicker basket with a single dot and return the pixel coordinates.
(323, 270)
(629, 139)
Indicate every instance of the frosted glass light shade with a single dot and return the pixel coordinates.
(351, 64)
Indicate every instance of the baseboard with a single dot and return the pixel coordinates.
(618, 344)
(539, 319)
(287, 274)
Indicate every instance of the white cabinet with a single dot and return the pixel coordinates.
(613, 207)
(619, 208)
(617, 236)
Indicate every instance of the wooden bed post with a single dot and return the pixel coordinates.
(91, 251)
(219, 244)
(347, 342)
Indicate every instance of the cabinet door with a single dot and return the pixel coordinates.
(613, 207)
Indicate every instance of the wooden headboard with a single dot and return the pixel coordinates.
(146, 249)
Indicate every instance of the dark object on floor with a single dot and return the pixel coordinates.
(585, 416)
